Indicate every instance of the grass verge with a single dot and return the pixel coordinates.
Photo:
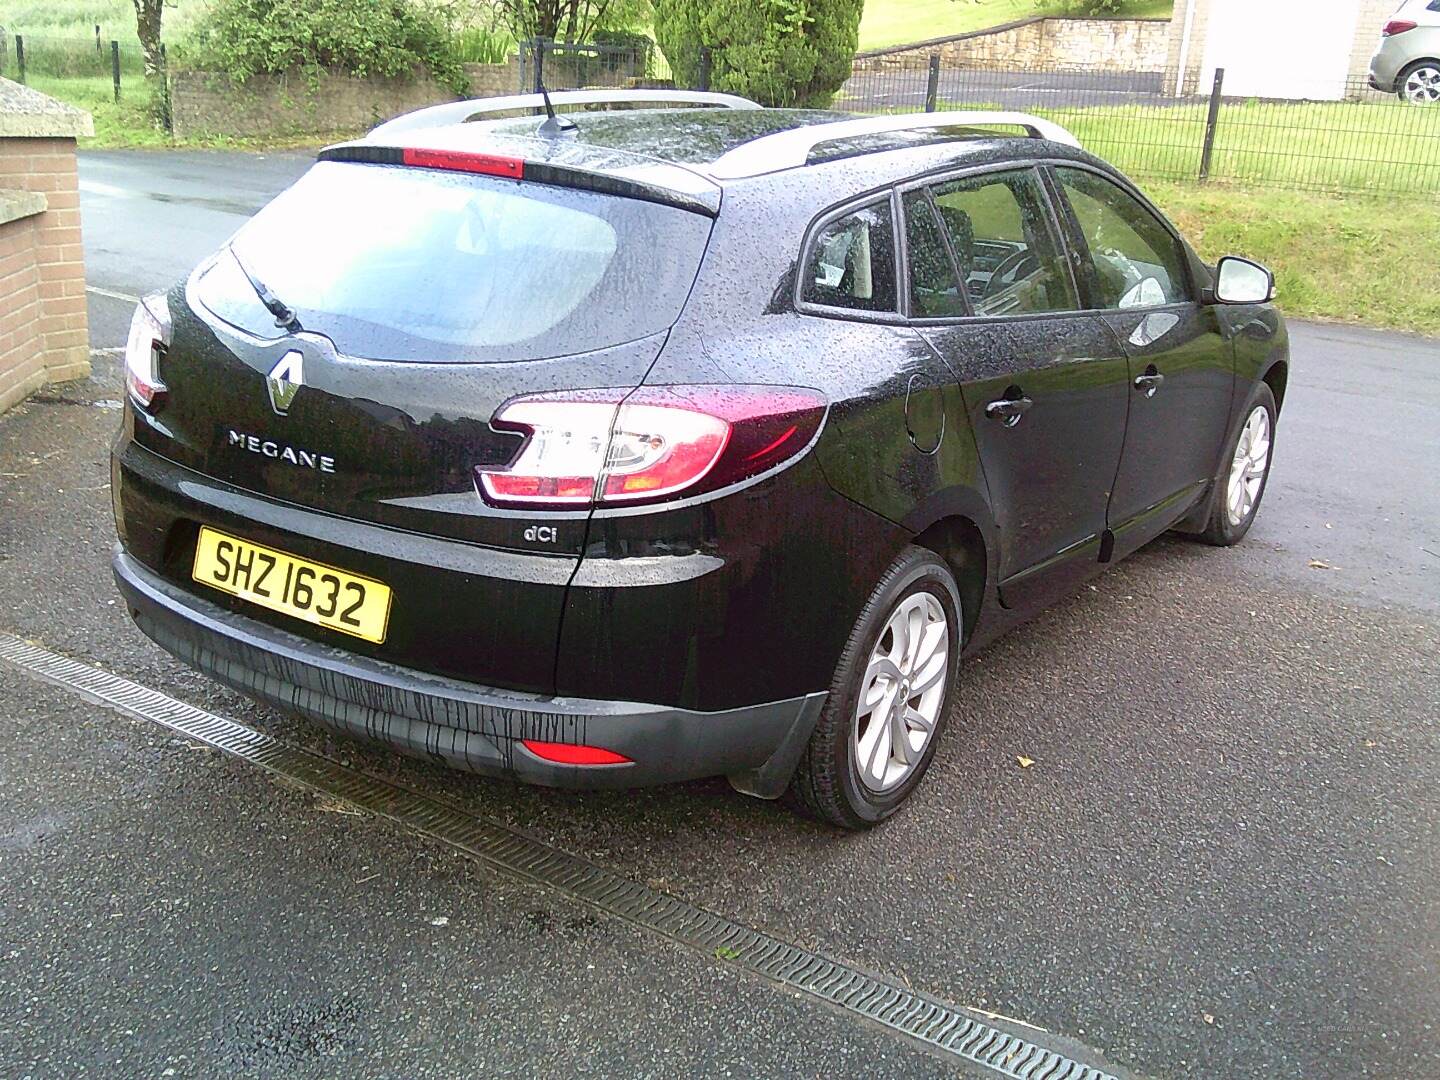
(1345, 258)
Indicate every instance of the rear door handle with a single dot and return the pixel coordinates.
(1008, 410)
(1149, 382)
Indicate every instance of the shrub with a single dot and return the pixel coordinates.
(383, 37)
(779, 52)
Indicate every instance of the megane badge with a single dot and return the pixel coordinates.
(285, 380)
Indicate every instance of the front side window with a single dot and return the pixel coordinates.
(1136, 261)
(1000, 232)
(852, 262)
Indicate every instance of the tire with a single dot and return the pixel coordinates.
(831, 783)
(1223, 525)
(1427, 90)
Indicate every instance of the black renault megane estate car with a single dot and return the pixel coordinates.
(643, 444)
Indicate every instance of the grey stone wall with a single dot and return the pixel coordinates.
(203, 103)
(1068, 44)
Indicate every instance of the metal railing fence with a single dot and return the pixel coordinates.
(1333, 136)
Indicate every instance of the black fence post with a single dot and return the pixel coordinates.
(115, 67)
(1210, 119)
(98, 49)
(932, 88)
(537, 53)
(705, 59)
(20, 55)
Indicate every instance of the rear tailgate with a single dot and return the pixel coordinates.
(425, 298)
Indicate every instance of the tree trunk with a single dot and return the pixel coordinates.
(147, 26)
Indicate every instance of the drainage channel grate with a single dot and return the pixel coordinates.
(938, 1026)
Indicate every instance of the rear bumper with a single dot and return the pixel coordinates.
(1385, 65)
(463, 724)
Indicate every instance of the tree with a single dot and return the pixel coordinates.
(147, 26)
(557, 20)
(779, 52)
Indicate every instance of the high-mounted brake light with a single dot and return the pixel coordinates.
(149, 335)
(465, 161)
(574, 754)
(618, 447)
(1398, 26)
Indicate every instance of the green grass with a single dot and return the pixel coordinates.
(1345, 258)
(900, 22)
(1349, 146)
(78, 18)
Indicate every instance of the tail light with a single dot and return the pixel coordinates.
(149, 335)
(619, 447)
(1398, 26)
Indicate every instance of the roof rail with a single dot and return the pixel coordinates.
(791, 148)
(459, 112)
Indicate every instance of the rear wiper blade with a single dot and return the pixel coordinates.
(285, 317)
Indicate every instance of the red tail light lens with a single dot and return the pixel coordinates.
(149, 334)
(618, 447)
(1398, 26)
(573, 754)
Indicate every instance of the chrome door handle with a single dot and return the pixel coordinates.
(1008, 410)
(1149, 382)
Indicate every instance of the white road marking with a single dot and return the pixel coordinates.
(112, 294)
(94, 187)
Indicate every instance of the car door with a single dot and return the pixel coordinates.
(1135, 271)
(1043, 383)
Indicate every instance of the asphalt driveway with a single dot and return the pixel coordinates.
(1223, 861)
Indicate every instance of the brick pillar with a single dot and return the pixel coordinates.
(47, 166)
(44, 336)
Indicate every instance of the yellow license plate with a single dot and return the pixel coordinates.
(306, 590)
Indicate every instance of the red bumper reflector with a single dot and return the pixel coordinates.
(464, 161)
(570, 754)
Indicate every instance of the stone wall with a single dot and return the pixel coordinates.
(1124, 45)
(44, 336)
(202, 103)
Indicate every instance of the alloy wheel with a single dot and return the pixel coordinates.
(1247, 470)
(1422, 86)
(901, 692)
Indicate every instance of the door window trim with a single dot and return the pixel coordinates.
(1052, 223)
(807, 248)
(1081, 247)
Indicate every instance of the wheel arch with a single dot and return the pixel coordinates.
(1276, 376)
(961, 543)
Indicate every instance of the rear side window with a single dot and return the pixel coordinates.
(1136, 261)
(852, 262)
(999, 229)
(400, 263)
(934, 289)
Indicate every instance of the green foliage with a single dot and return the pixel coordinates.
(483, 45)
(779, 52)
(383, 37)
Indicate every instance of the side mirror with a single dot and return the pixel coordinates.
(1240, 281)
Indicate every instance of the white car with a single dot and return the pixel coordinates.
(1407, 62)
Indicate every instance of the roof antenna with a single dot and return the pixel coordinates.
(554, 126)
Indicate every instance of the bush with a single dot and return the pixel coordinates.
(779, 52)
(384, 37)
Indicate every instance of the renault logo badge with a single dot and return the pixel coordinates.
(285, 380)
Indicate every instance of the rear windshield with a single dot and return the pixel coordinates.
(397, 263)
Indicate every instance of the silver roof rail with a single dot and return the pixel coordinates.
(459, 112)
(791, 148)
